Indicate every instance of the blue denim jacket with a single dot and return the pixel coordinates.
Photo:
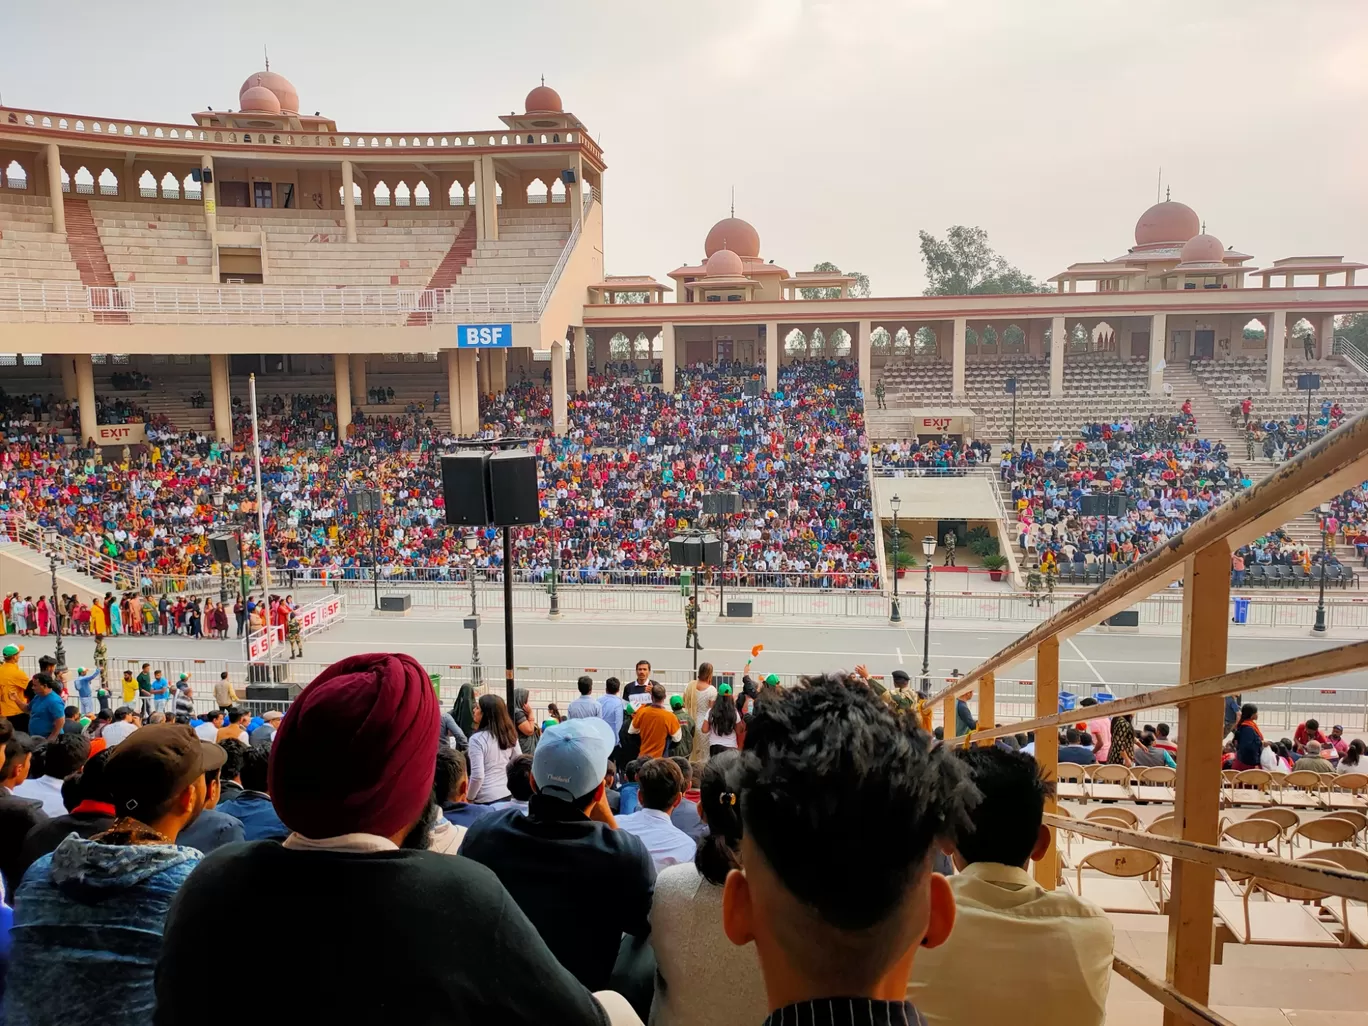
(257, 815)
(87, 932)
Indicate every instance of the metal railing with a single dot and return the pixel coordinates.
(1199, 557)
(571, 577)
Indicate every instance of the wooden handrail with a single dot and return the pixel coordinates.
(1167, 995)
(1329, 466)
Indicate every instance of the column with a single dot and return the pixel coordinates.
(667, 357)
(69, 378)
(342, 376)
(1058, 334)
(1035, 338)
(581, 354)
(1047, 748)
(558, 387)
(486, 199)
(499, 370)
(454, 389)
(222, 399)
(1158, 347)
(85, 396)
(54, 176)
(865, 357)
(349, 200)
(958, 348)
(207, 197)
(469, 392)
(574, 194)
(1277, 349)
(1325, 337)
(358, 377)
(771, 357)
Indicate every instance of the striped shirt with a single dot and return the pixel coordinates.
(845, 1011)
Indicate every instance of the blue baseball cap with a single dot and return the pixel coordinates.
(572, 757)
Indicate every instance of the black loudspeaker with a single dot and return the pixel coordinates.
(1103, 505)
(682, 551)
(513, 488)
(364, 500)
(465, 491)
(712, 550)
(721, 503)
(737, 610)
(224, 548)
(207, 175)
(1308, 382)
(395, 603)
(1125, 618)
(696, 550)
(568, 176)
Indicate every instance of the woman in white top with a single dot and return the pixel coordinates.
(492, 747)
(702, 979)
(1352, 760)
(723, 728)
(699, 697)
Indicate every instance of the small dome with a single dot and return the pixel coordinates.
(734, 234)
(724, 264)
(285, 93)
(1169, 221)
(543, 100)
(1203, 249)
(259, 100)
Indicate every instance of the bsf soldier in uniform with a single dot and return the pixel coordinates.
(949, 540)
(1249, 443)
(691, 625)
(292, 636)
(1034, 581)
(879, 393)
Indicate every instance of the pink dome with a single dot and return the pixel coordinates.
(725, 264)
(543, 100)
(278, 84)
(1169, 221)
(259, 100)
(1203, 249)
(734, 234)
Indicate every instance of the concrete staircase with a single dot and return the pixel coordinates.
(26, 570)
(1212, 420)
(83, 239)
(449, 270)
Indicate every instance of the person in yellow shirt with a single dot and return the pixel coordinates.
(129, 684)
(13, 681)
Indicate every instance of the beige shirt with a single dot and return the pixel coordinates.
(1048, 953)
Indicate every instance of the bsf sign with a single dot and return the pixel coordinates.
(484, 336)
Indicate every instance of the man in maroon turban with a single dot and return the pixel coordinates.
(367, 924)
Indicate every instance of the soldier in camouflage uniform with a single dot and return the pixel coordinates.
(691, 625)
(879, 393)
(1034, 582)
(293, 637)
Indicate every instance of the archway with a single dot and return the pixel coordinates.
(381, 194)
(537, 192)
(422, 196)
(925, 343)
(403, 196)
(839, 344)
(147, 185)
(170, 186)
(902, 342)
(15, 176)
(620, 347)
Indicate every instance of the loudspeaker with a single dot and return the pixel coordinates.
(465, 491)
(276, 695)
(721, 503)
(1103, 505)
(224, 548)
(364, 500)
(207, 175)
(712, 550)
(696, 550)
(1009, 386)
(1125, 618)
(513, 488)
(395, 603)
(568, 177)
(736, 610)
(1308, 382)
(682, 550)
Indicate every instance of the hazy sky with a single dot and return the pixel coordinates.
(845, 125)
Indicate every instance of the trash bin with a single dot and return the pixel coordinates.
(1241, 610)
(436, 679)
(1068, 701)
(1104, 696)
(685, 582)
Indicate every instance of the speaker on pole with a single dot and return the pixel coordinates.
(465, 490)
(224, 548)
(513, 488)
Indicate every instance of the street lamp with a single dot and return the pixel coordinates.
(928, 550)
(60, 652)
(895, 615)
(555, 573)
(472, 622)
(1319, 628)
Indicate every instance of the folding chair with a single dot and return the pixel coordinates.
(1154, 784)
(1257, 832)
(1325, 830)
(1114, 816)
(1286, 819)
(1355, 922)
(1250, 787)
(1347, 791)
(1069, 781)
(1131, 872)
(1301, 789)
(1286, 923)
(1110, 783)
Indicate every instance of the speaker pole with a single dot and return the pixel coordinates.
(694, 646)
(508, 616)
(242, 592)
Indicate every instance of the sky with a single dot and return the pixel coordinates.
(845, 126)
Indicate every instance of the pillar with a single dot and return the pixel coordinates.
(486, 199)
(207, 198)
(1047, 747)
(958, 345)
(1325, 337)
(499, 370)
(1158, 347)
(359, 383)
(342, 390)
(469, 392)
(865, 356)
(85, 396)
(581, 355)
(574, 194)
(558, 398)
(1277, 349)
(483, 376)
(54, 176)
(349, 200)
(771, 357)
(1035, 338)
(69, 378)
(222, 403)
(454, 389)
(1058, 333)
(987, 706)
(667, 357)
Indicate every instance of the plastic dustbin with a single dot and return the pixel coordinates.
(436, 679)
(1104, 696)
(1241, 610)
(1068, 701)
(685, 582)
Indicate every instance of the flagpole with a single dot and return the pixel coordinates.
(261, 518)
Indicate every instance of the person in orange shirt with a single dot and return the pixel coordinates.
(656, 724)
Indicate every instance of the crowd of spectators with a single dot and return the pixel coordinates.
(932, 456)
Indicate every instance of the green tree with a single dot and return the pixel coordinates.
(1354, 328)
(859, 288)
(632, 297)
(966, 265)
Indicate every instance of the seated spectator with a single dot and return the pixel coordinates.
(455, 809)
(445, 836)
(1162, 742)
(686, 815)
(1312, 760)
(125, 720)
(1072, 749)
(1352, 759)
(520, 788)
(686, 919)
(627, 793)
(492, 747)
(18, 816)
(210, 724)
(661, 789)
(214, 828)
(89, 917)
(1146, 753)
(352, 772)
(1004, 919)
(230, 776)
(560, 859)
(92, 814)
(61, 758)
(235, 727)
(262, 736)
(252, 806)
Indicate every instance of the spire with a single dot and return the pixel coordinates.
(543, 78)
(1203, 227)
(1168, 192)
(267, 56)
(733, 203)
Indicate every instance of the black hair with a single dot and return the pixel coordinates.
(722, 717)
(938, 733)
(1249, 710)
(72, 712)
(642, 662)
(685, 769)
(15, 750)
(832, 777)
(1353, 754)
(720, 802)
(236, 715)
(232, 762)
(212, 715)
(66, 755)
(92, 778)
(585, 684)
(1310, 724)
(661, 784)
(520, 779)
(1006, 822)
(1072, 736)
(1162, 730)
(420, 837)
(6, 730)
(612, 685)
(451, 770)
(256, 762)
(630, 771)
(494, 718)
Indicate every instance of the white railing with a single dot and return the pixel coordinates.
(564, 259)
(1343, 347)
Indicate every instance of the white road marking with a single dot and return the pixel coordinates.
(1087, 661)
(900, 656)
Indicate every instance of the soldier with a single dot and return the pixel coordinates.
(879, 393)
(1249, 442)
(1034, 581)
(949, 541)
(292, 636)
(691, 625)
(1051, 576)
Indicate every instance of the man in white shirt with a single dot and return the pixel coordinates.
(126, 720)
(61, 758)
(208, 730)
(661, 786)
(1004, 919)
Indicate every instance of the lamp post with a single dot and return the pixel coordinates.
(1319, 628)
(555, 573)
(1011, 388)
(472, 622)
(895, 615)
(60, 652)
(929, 550)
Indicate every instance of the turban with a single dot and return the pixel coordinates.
(356, 752)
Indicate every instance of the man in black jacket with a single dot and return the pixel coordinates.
(92, 814)
(17, 815)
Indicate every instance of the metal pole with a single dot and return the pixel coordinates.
(375, 562)
(1013, 437)
(60, 652)
(508, 616)
(555, 572)
(896, 615)
(722, 575)
(1106, 536)
(261, 518)
(694, 646)
(1319, 628)
(1308, 415)
(474, 630)
(242, 591)
(926, 630)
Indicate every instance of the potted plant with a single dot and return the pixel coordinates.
(905, 560)
(995, 565)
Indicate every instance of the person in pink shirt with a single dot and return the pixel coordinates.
(1100, 729)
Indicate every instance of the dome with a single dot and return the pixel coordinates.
(278, 84)
(734, 234)
(1169, 221)
(543, 100)
(724, 264)
(1203, 249)
(259, 100)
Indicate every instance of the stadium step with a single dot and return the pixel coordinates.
(69, 579)
(449, 270)
(83, 240)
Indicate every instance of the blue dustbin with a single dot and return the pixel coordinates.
(1241, 610)
(1103, 696)
(1068, 701)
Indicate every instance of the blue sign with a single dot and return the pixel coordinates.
(484, 336)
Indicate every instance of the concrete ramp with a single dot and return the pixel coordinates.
(25, 570)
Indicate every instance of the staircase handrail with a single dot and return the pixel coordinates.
(1341, 346)
(561, 262)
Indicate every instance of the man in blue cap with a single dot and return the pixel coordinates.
(581, 882)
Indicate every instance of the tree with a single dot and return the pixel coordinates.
(859, 288)
(1354, 328)
(966, 265)
(632, 297)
